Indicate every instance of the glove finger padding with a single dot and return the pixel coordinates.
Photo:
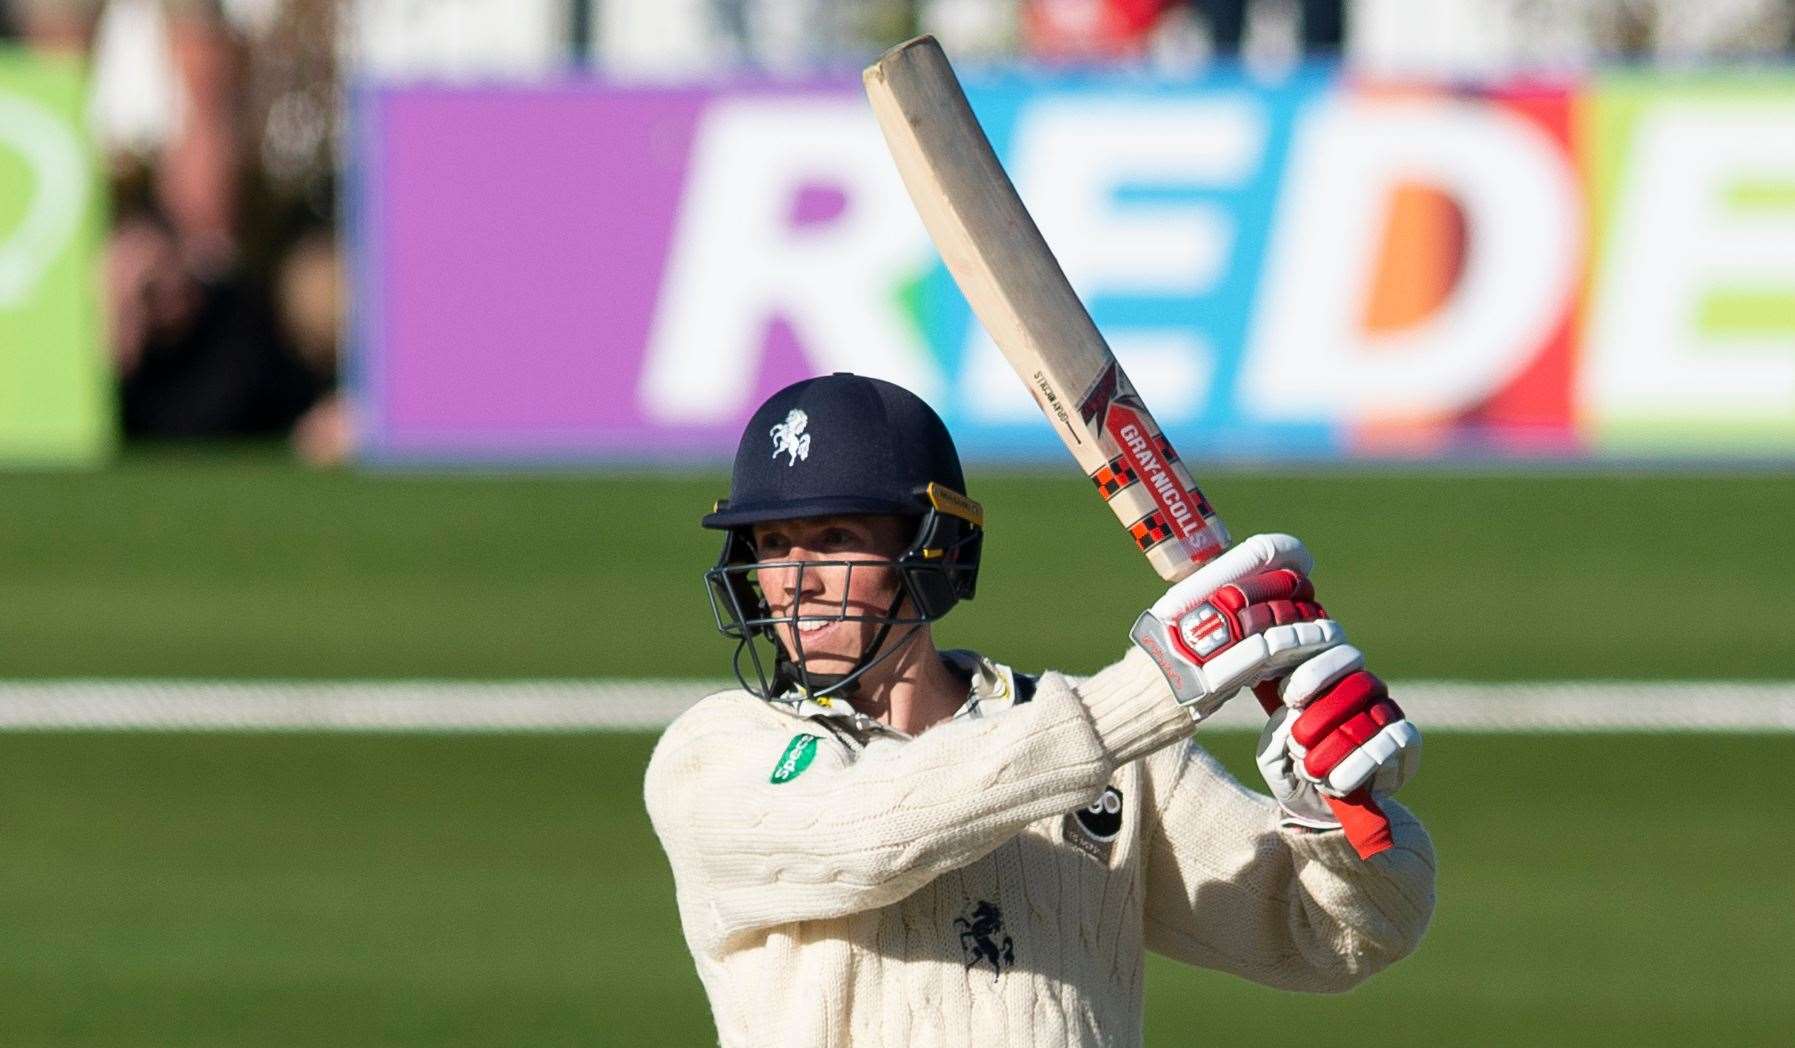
(1258, 616)
(1352, 733)
(1318, 674)
(1261, 554)
(1264, 587)
(1347, 699)
(1270, 652)
(1384, 763)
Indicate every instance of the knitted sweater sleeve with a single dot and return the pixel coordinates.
(1228, 888)
(848, 836)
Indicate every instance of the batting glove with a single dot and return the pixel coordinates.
(1247, 616)
(1336, 731)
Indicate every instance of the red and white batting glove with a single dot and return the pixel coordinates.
(1247, 616)
(1336, 733)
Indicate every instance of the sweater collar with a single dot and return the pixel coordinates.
(992, 690)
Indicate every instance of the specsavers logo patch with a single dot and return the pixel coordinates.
(797, 756)
(1094, 830)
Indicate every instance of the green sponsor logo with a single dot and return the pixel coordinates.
(55, 380)
(797, 756)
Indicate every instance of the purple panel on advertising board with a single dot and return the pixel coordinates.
(518, 239)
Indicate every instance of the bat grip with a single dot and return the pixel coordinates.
(1366, 826)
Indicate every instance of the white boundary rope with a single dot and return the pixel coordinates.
(648, 705)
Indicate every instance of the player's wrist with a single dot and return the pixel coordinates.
(1132, 709)
(1182, 679)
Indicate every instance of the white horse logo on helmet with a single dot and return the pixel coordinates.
(789, 437)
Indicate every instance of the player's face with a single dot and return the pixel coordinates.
(822, 593)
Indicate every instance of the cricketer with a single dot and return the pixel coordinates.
(875, 842)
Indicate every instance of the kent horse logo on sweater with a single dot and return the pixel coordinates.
(980, 942)
(1094, 830)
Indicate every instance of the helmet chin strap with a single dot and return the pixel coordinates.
(847, 685)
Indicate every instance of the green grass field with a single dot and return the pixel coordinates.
(237, 565)
(325, 890)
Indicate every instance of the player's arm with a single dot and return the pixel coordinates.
(1274, 890)
(844, 837)
(1230, 885)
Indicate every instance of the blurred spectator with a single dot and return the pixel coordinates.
(1130, 30)
(219, 123)
(311, 294)
(1678, 30)
(165, 94)
(197, 355)
(1090, 29)
(793, 36)
(1323, 25)
(1432, 38)
(980, 30)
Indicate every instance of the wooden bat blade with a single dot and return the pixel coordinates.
(1020, 294)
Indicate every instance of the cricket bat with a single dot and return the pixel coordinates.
(1016, 288)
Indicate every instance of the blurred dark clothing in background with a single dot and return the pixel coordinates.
(1323, 23)
(215, 355)
(227, 374)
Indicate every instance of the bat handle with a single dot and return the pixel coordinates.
(1366, 826)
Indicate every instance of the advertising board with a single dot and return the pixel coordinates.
(1305, 268)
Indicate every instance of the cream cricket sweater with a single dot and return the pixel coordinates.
(994, 880)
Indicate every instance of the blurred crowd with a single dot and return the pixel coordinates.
(681, 37)
(223, 276)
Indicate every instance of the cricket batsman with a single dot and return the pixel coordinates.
(876, 842)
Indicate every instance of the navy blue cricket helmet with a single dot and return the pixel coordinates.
(844, 444)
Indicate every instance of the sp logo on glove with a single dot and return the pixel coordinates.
(1205, 631)
(1247, 616)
